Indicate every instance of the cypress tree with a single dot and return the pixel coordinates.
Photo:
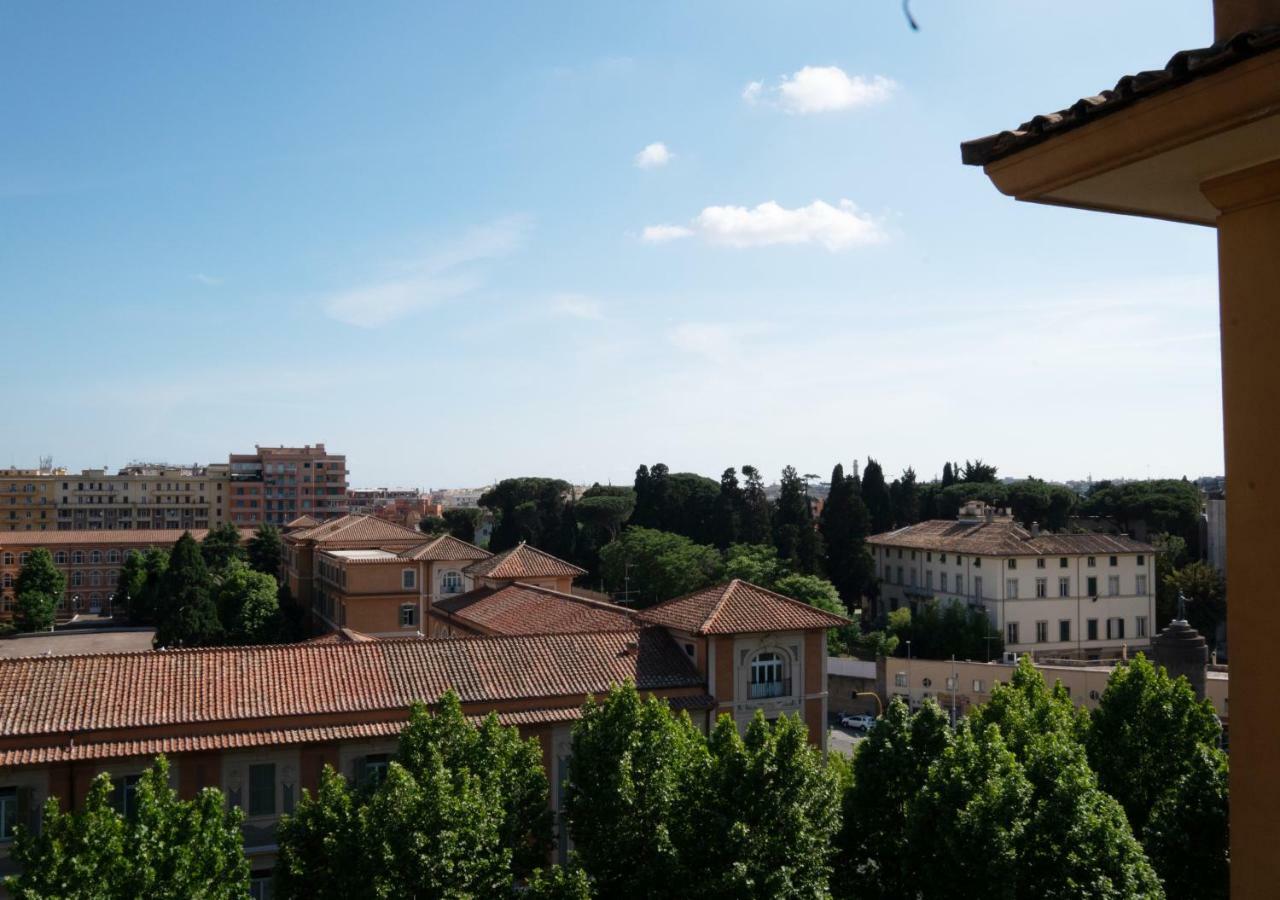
(844, 525)
(728, 510)
(875, 493)
(187, 615)
(757, 514)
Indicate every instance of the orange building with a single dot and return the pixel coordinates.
(278, 484)
(261, 722)
(91, 560)
(28, 499)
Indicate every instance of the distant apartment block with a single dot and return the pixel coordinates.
(276, 485)
(27, 499)
(1088, 596)
(142, 496)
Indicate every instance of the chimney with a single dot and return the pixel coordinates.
(1230, 17)
(1035, 529)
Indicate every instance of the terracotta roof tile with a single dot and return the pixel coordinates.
(445, 547)
(303, 521)
(156, 536)
(738, 607)
(1183, 67)
(355, 529)
(1002, 539)
(527, 609)
(156, 688)
(523, 561)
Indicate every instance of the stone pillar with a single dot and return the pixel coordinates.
(1183, 651)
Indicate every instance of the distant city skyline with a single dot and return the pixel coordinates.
(460, 243)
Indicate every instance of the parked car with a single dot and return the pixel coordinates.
(861, 721)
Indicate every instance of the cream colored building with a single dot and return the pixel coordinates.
(28, 499)
(143, 497)
(1088, 596)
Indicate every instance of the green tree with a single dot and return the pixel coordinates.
(756, 526)
(130, 585)
(845, 524)
(728, 510)
(875, 494)
(756, 563)
(1163, 504)
(626, 792)
(39, 575)
(537, 510)
(319, 856)
(1026, 707)
(822, 594)
(657, 565)
(222, 545)
(248, 605)
(266, 550)
(904, 494)
(874, 845)
(1186, 832)
(559, 883)
(433, 525)
(167, 848)
(1171, 555)
(510, 766)
(35, 611)
(187, 615)
(605, 508)
(977, 472)
(948, 475)
(764, 811)
(462, 522)
(798, 542)
(1206, 594)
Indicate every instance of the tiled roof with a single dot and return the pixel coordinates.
(738, 607)
(445, 547)
(1002, 539)
(1183, 67)
(523, 561)
(177, 687)
(303, 521)
(341, 636)
(156, 536)
(78, 751)
(527, 609)
(355, 529)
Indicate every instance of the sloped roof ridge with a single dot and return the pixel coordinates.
(720, 604)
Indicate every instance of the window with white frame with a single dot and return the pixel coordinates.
(943, 581)
(1064, 586)
(8, 559)
(451, 583)
(899, 679)
(8, 812)
(1040, 563)
(1042, 632)
(959, 583)
(951, 682)
(409, 579)
(978, 686)
(1042, 588)
(124, 794)
(1011, 633)
(408, 615)
(60, 557)
(1140, 626)
(76, 557)
(1013, 564)
(95, 557)
(1140, 585)
(1115, 629)
(977, 586)
(768, 676)
(1113, 585)
(1011, 588)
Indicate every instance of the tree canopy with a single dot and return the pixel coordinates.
(657, 565)
(38, 588)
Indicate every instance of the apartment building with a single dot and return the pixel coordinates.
(260, 723)
(91, 561)
(28, 500)
(1084, 595)
(278, 484)
(143, 496)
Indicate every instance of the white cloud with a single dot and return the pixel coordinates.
(430, 280)
(818, 89)
(576, 306)
(661, 234)
(718, 342)
(834, 227)
(207, 280)
(653, 156)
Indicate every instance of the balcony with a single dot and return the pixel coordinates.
(766, 690)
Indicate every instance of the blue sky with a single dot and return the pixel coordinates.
(431, 235)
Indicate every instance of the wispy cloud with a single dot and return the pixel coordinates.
(819, 89)
(717, 342)
(833, 227)
(430, 280)
(577, 306)
(653, 156)
(207, 280)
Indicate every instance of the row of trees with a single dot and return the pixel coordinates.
(1027, 797)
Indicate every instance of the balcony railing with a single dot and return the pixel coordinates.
(765, 690)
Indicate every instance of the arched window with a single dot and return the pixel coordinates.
(113, 556)
(77, 557)
(768, 676)
(23, 557)
(95, 578)
(60, 557)
(77, 579)
(8, 559)
(95, 556)
(7, 580)
(451, 583)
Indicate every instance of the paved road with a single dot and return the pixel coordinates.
(844, 740)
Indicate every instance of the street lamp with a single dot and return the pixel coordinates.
(879, 703)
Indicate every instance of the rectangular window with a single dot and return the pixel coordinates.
(928, 556)
(959, 583)
(1142, 560)
(1091, 562)
(977, 685)
(977, 586)
(1093, 586)
(1013, 564)
(911, 574)
(951, 683)
(1114, 561)
(1140, 626)
(1062, 562)
(900, 575)
(1064, 629)
(900, 679)
(928, 579)
(944, 557)
(1113, 585)
(408, 615)
(8, 812)
(1092, 630)
(943, 576)
(1042, 632)
(375, 768)
(1064, 586)
(262, 790)
(1042, 588)
(409, 579)
(1140, 585)
(1011, 588)
(124, 794)
(1115, 629)
(1040, 563)
(1011, 633)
